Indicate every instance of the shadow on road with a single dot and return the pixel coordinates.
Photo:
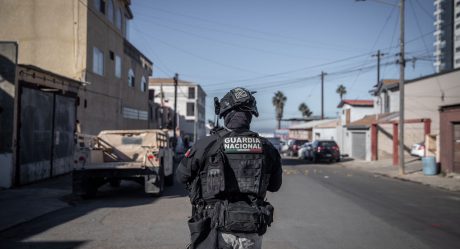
(292, 161)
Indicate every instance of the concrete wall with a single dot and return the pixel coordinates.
(325, 133)
(425, 96)
(108, 97)
(413, 133)
(59, 36)
(356, 112)
(50, 33)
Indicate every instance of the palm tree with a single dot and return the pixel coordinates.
(341, 90)
(278, 101)
(305, 110)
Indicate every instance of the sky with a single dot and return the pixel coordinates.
(273, 45)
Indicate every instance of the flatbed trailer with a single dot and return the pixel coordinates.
(143, 156)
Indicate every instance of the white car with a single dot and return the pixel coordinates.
(418, 149)
(304, 151)
(275, 141)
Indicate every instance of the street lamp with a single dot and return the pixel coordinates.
(402, 64)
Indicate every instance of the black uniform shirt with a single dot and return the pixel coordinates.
(193, 160)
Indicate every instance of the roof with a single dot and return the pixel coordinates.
(368, 120)
(331, 124)
(357, 103)
(383, 84)
(310, 124)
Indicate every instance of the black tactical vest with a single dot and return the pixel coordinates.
(236, 165)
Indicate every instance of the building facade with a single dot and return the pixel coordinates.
(447, 35)
(85, 40)
(191, 103)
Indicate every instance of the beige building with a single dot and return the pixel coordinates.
(191, 105)
(84, 40)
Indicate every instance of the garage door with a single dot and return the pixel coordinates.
(358, 145)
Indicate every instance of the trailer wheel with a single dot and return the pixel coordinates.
(161, 182)
(114, 183)
(169, 180)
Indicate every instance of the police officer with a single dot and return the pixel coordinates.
(227, 175)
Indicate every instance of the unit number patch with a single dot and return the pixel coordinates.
(242, 145)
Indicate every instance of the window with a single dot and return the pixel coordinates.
(110, 10)
(457, 49)
(100, 5)
(117, 66)
(98, 61)
(118, 17)
(191, 92)
(457, 61)
(190, 109)
(457, 26)
(387, 102)
(127, 29)
(131, 78)
(457, 37)
(143, 84)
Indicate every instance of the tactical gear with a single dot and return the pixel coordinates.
(235, 165)
(227, 181)
(238, 98)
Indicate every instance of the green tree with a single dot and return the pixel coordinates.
(341, 90)
(278, 101)
(305, 110)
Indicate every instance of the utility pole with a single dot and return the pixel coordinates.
(176, 79)
(322, 94)
(378, 55)
(402, 64)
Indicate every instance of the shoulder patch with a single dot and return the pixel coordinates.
(233, 145)
(188, 154)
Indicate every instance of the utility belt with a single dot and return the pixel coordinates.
(238, 217)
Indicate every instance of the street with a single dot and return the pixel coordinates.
(318, 206)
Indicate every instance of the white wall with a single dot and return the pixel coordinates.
(379, 102)
(356, 113)
(325, 133)
(424, 97)
(6, 170)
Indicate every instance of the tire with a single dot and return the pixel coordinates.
(114, 183)
(169, 180)
(161, 183)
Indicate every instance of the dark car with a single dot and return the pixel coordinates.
(295, 146)
(325, 150)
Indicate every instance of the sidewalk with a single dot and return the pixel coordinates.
(414, 173)
(26, 203)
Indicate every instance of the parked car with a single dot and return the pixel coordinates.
(418, 149)
(284, 147)
(325, 150)
(304, 151)
(275, 141)
(294, 148)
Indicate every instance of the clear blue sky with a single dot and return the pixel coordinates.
(271, 45)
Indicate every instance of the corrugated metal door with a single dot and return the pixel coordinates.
(47, 127)
(358, 145)
(35, 135)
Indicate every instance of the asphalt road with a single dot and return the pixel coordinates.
(318, 206)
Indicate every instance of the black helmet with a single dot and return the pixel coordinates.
(240, 99)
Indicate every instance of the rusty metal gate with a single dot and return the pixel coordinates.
(46, 134)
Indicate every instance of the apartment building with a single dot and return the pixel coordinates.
(85, 40)
(191, 103)
(447, 35)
